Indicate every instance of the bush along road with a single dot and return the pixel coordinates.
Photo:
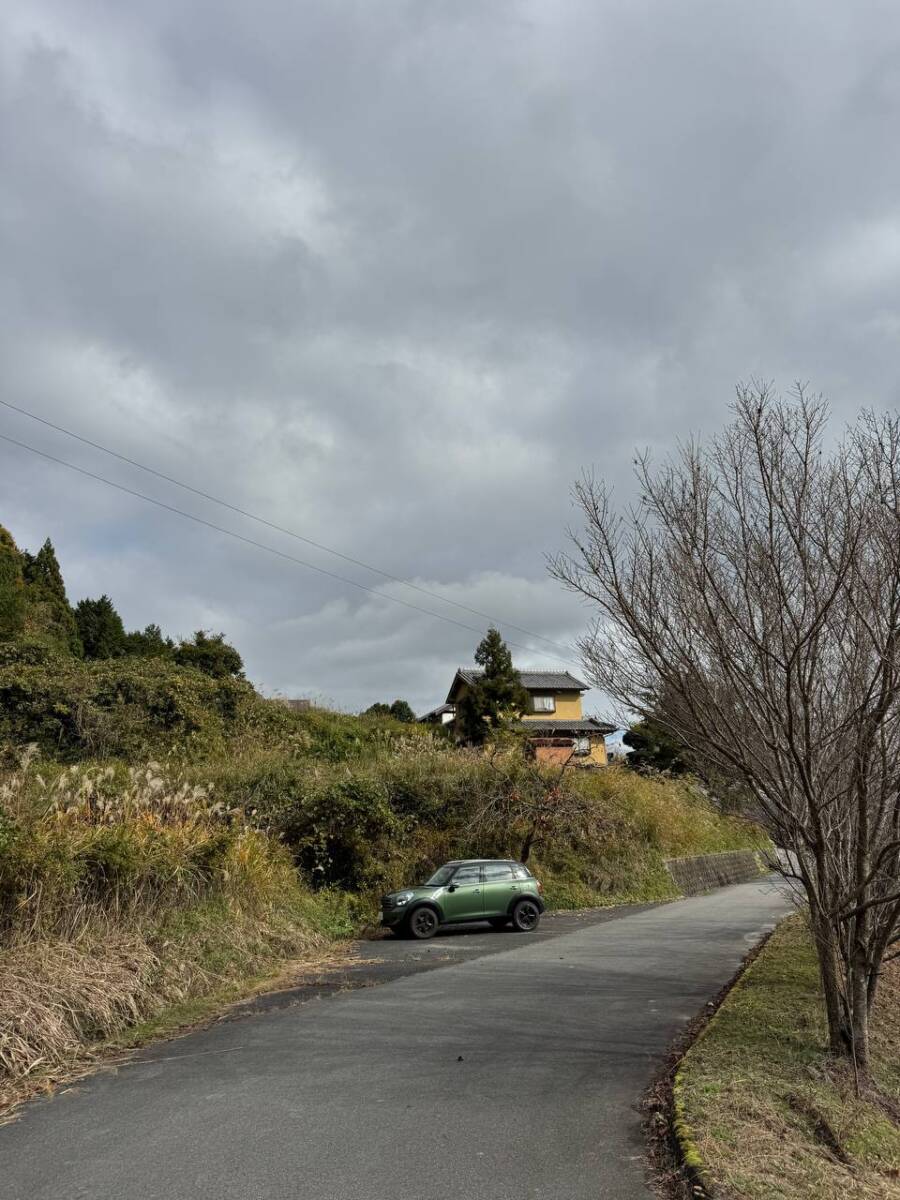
(512, 1073)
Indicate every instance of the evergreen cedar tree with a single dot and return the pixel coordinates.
(399, 710)
(100, 628)
(52, 615)
(34, 606)
(12, 588)
(496, 697)
(33, 602)
(149, 643)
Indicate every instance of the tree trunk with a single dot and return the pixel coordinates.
(858, 978)
(527, 844)
(859, 1016)
(839, 1032)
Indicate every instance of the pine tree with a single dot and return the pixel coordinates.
(12, 588)
(497, 695)
(100, 628)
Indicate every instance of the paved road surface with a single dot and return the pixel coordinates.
(362, 1095)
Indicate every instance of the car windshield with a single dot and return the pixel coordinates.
(441, 876)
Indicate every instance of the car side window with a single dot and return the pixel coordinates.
(467, 875)
(521, 873)
(496, 871)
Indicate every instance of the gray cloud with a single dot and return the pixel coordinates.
(392, 274)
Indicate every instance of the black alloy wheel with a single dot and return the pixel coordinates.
(423, 923)
(526, 916)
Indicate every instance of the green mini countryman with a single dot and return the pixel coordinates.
(475, 889)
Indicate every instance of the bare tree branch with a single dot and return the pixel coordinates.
(750, 604)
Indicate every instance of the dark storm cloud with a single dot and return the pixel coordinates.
(391, 274)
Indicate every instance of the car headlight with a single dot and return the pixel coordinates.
(403, 897)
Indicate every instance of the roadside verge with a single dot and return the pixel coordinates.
(756, 1110)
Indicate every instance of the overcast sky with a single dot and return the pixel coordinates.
(391, 274)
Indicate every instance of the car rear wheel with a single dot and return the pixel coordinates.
(423, 923)
(526, 916)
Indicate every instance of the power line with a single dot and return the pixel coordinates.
(259, 545)
(281, 529)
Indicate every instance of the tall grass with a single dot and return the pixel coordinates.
(124, 891)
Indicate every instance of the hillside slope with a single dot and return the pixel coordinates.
(166, 837)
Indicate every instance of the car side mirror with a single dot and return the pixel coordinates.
(452, 887)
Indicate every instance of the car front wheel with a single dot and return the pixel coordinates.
(526, 916)
(423, 923)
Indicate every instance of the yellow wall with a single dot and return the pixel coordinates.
(598, 752)
(568, 708)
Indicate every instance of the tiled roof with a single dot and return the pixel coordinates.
(438, 712)
(535, 681)
(563, 727)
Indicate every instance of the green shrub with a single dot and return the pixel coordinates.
(376, 822)
(128, 707)
(132, 707)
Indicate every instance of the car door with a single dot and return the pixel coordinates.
(462, 898)
(500, 888)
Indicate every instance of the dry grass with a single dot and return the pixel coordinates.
(64, 1004)
(58, 996)
(770, 1115)
(131, 901)
(132, 898)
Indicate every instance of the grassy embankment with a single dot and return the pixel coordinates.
(170, 839)
(767, 1115)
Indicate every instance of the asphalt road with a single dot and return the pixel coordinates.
(511, 1073)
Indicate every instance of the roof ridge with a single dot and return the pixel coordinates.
(521, 670)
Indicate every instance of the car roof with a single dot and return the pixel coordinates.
(467, 862)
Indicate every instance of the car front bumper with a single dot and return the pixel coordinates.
(390, 918)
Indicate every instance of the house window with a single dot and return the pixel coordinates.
(544, 704)
(583, 745)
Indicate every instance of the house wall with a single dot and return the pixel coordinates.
(553, 754)
(561, 754)
(598, 753)
(568, 705)
(568, 708)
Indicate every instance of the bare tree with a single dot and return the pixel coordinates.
(528, 801)
(757, 585)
